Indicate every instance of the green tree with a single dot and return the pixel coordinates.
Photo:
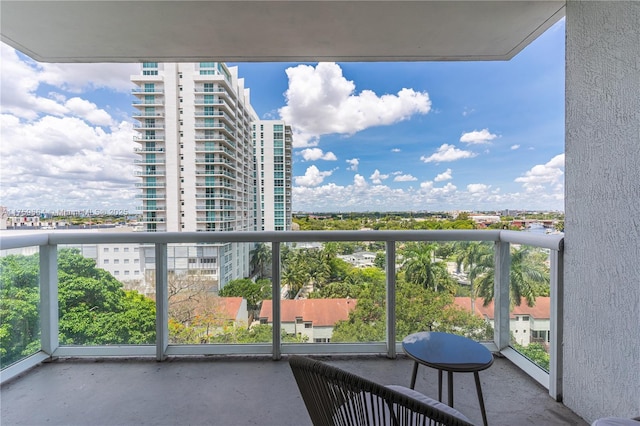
(420, 267)
(476, 258)
(253, 292)
(19, 315)
(536, 352)
(528, 277)
(417, 309)
(260, 259)
(295, 274)
(93, 306)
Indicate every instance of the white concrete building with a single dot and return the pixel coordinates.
(272, 140)
(194, 131)
(310, 318)
(527, 324)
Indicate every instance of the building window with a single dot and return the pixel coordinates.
(525, 318)
(106, 261)
(106, 250)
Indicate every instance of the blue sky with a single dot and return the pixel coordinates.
(368, 136)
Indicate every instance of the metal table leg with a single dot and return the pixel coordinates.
(414, 375)
(480, 398)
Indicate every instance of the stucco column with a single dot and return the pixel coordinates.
(602, 227)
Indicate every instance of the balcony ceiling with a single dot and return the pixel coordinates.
(294, 30)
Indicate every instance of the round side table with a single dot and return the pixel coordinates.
(450, 353)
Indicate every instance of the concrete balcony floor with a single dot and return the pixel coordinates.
(242, 391)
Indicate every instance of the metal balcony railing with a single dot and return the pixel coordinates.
(48, 243)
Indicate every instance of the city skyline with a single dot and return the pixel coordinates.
(367, 137)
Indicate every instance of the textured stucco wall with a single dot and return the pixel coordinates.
(602, 229)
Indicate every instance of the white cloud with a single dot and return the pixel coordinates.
(312, 177)
(546, 175)
(478, 137)
(359, 182)
(395, 150)
(378, 177)
(65, 152)
(320, 100)
(404, 178)
(353, 164)
(514, 147)
(447, 153)
(313, 154)
(474, 188)
(88, 111)
(446, 175)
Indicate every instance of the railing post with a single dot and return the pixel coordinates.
(275, 296)
(502, 265)
(556, 338)
(49, 298)
(391, 298)
(162, 302)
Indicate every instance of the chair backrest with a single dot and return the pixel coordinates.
(336, 397)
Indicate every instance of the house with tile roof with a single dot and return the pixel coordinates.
(313, 318)
(527, 323)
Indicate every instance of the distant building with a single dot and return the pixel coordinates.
(196, 162)
(313, 318)
(272, 143)
(527, 324)
(361, 259)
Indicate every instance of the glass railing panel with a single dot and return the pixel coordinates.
(434, 284)
(210, 305)
(103, 296)
(530, 308)
(334, 292)
(19, 304)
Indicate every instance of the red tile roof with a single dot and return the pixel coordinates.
(541, 309)
(320, 312)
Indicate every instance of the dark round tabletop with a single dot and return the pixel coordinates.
(448, 352)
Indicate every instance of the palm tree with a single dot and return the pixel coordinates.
(295, 273)
(476, 258)
(528, 277)
(421, 268)
(260, 258)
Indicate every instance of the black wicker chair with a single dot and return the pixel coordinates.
(336, 397)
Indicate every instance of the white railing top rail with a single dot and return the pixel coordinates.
(18, 239)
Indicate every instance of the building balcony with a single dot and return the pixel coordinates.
(148, 126)
(220, 161)
(151, 197)
(144, 150)
(147, 103)
(156, 208)
(146, 138)
(202, 207)
(215, 195)
(150, 185)
(215, 219)
(155, 161)
(141, 91)
(149, 173)
(516, 391)
(142, 115)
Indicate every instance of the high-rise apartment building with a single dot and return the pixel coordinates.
(272, 140)
(197, 165)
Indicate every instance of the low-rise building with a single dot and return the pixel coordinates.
(311, 318)
(528, 324)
